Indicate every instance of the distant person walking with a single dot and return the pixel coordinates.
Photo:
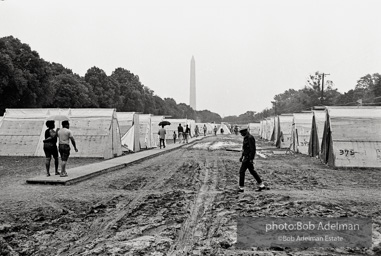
(180, 131)
(162, 133)
(236, 130)
(174, 137)
(65, 136)
(247, 159)
(196, 131)
(50, 147)
(186, 133)
(205, 129)
(215, 130)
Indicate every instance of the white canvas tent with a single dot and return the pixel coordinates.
(269, 126)
(96, 132)
(191, 124)
(285, 130)
(264, 129)
(276, 128)
(224, 127)
(352, 137)
(316, 135)
(125, 120)
(261, 131)
(128, 123)
(254, 128)
(145, 131)
(200, 129)
(301, 129)
(209, 128)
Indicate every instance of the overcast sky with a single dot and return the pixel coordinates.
(246, 52)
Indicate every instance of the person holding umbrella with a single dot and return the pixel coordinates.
(162, 133)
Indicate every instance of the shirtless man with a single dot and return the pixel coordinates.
(65, 136)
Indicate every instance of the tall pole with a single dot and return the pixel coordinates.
(322, 88)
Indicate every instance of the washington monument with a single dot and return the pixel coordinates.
(192, 101)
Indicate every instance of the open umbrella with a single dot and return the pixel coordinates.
(164, 123)
(58, 117)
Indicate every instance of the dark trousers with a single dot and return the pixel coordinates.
(247, 165)
(162, 140)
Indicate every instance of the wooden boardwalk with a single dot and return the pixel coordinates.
(81, 173)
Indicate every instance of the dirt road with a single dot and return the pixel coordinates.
(180, 203)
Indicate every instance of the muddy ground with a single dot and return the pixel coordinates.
(180, 203)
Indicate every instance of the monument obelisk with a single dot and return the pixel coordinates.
(192, 101)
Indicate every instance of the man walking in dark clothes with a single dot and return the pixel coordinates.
(247, 159)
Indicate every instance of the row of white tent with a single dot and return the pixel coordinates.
(340, 136)
(254, 128)
(98, 132)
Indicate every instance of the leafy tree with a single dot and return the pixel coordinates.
(131, 90)
(116, 100)
(171, 108)
(24, 76)
(160, 108)
(58, 69)
(347, 99)
(208, 116)
(149, 101)
(376, 88)
(70, 92)
(368, 88)
(186, 111)
(106, 90)
(248, 117)
(292, 101)
(262, 115)
(331, 95)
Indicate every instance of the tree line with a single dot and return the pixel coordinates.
(28, 81)
(367, 91)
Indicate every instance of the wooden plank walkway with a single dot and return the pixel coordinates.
(81, 173)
